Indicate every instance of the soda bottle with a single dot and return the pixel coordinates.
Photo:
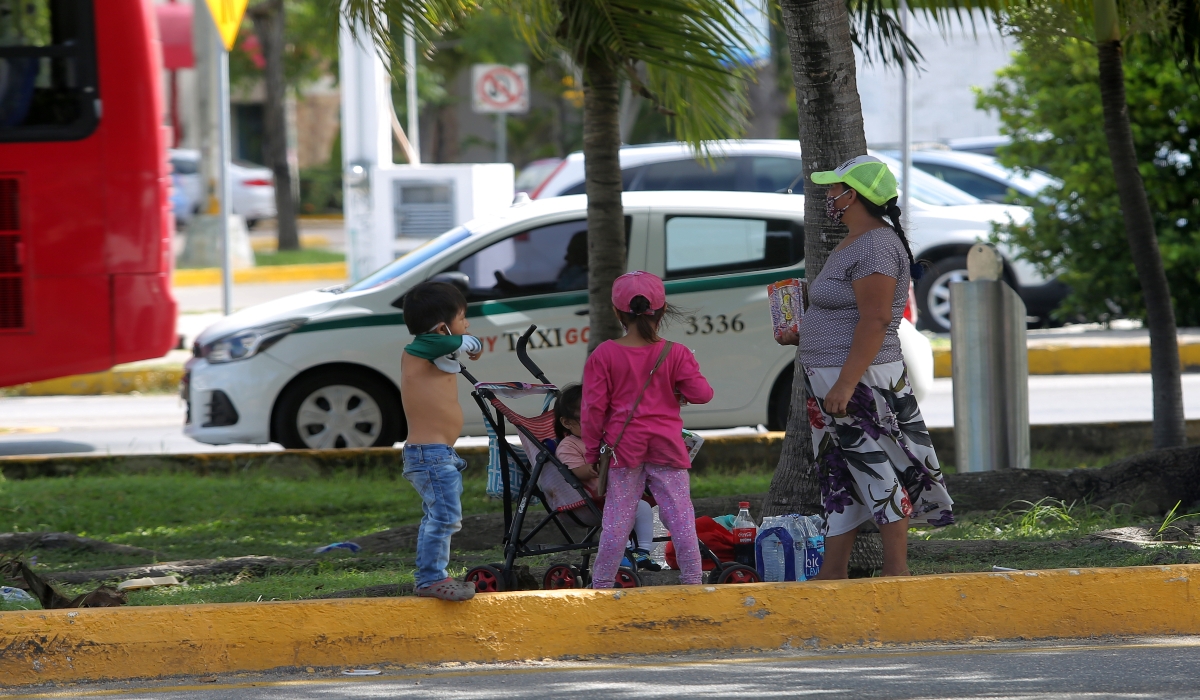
(744, 532)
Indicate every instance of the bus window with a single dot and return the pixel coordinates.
(48, 87)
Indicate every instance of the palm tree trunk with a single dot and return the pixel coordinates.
(268, 27)
(602, 177)
(1169, 429)
(831, 132)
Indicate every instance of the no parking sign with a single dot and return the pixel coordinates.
(500, 89)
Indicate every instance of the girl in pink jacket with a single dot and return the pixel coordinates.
(650, 450)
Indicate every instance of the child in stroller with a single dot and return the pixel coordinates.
(563, 498)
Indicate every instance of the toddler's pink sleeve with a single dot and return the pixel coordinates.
(688, 381)
(595, 404)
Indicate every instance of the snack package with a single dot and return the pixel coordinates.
(787, 306)
(693, 443)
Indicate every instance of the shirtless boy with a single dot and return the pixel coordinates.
(436, 315)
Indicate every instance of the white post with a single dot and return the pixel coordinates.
(905, 125)
(410, 91)
(226, 200)
(366, 145)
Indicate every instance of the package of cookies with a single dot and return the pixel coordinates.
(787, 306)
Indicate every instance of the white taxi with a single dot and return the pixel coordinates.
(322, 369)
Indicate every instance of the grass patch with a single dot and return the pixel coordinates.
(192, 517)
(1047, 519)
(298, 257)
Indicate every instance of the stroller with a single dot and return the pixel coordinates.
(534, 434)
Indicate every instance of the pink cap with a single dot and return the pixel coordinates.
(639, 284)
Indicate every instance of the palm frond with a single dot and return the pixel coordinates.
(692, 51)
(378, 21)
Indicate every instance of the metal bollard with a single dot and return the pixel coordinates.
(990, 368)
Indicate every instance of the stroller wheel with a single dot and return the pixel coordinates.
(562, 576)
(626, 578)
(735, 573)
(487, 579)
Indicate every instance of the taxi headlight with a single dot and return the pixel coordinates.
(247, 343)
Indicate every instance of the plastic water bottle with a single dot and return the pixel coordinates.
(744, 532)
(773, 548)
(814, 545)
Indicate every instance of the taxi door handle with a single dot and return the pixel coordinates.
(581, 312)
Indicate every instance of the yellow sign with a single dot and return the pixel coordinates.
(228, 16)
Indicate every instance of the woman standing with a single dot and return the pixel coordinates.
(873, 453)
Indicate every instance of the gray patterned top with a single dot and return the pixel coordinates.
(829, 322)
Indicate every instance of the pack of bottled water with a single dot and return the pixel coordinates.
(790, 547)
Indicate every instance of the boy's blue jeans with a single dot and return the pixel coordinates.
(435, 471)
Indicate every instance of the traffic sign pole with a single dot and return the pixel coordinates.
(227, 16)
(223, 147)
(502, 137)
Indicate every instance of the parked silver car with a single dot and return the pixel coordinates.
(253, 187)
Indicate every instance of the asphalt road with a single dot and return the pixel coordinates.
(1141, 668)
(153, 424)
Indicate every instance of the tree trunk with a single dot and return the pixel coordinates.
(1169, 427)
(602, 175)
(268, 27)
(831, 132)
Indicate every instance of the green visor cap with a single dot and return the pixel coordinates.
(868, 175)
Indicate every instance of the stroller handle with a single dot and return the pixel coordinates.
(523, 356)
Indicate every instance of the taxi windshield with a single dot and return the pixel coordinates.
(412, 259)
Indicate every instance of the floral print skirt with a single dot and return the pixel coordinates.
(877, 460)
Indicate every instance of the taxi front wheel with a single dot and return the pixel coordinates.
(338, 408)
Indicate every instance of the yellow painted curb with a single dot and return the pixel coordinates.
(1091, 359)
(266, 274)
(118, 643)
(113, 381)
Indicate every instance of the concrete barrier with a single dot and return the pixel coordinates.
(153, 642)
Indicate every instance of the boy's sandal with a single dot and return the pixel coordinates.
(448, 589)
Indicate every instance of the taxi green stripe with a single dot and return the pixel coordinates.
(551, 301)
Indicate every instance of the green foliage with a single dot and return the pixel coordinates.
(689, 51)
(310, 48)
(1046, 519)
(1048, 101)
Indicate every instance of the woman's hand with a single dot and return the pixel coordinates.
(837, 399)
(788, 338)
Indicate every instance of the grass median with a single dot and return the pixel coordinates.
(186, 517)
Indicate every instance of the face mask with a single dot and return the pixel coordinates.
(831, 209)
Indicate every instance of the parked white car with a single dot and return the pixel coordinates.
(322, 369)
(253, 185)
(944, 221)
(981, 176)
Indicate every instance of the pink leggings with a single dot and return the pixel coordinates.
(671, 488)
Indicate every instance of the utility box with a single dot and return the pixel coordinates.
(990, 366)
(423, 201)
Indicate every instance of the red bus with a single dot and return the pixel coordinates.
(85, 221)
